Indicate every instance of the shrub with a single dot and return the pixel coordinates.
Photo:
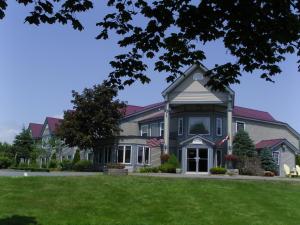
(218, 170)
(267, 161)
(76, 157)
(66, 165)
(243, 145)
(53, 163)
(167, 168)
(173, 161)
(31, 169)
(83, 165)
(249, 166)
(23, 165)
(53, 157)
(5, 162)
(149, 170)
(115, 166)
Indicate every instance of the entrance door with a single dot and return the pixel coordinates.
(197, 160)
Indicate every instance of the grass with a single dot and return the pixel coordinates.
(145, 200)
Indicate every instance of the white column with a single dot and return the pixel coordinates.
(167, 128)
(229, 128)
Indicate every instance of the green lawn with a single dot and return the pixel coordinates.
(144, 200)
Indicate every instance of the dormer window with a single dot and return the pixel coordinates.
(144, 130)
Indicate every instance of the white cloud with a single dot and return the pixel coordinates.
(8, 131)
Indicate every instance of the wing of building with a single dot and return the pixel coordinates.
(197, 125)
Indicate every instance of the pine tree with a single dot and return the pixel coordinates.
(76, 157)
(267, 161)
(243, 145)
(24, 145)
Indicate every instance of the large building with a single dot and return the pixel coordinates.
(198, 126)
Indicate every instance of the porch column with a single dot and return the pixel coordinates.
(167, 128)
(229, 127)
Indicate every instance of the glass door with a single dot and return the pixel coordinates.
(203, 160)
(191, 160)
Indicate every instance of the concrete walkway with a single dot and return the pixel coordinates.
(216, 177)
(20, 173)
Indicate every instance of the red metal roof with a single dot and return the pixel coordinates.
(132, 109)
(268, 143)
(252, 114)
(35, 129)
(53, 123)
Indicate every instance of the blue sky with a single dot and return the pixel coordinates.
(39, 66)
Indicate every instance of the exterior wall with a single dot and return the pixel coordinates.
(286, 156)
(259, 131)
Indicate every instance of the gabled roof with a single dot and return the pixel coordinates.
(53, 124)
(187, 73)
(269, 143)
(35, 129)
(132, 110)
(153, 118)
(252, 114)
(272, 143)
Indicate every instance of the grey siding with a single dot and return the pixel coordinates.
(287, 156)
(259, 131)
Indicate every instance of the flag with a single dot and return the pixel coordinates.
(223, 140)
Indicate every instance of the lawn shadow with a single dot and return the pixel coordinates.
(18, 220)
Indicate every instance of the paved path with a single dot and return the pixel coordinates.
(20, 173)
(216, 177)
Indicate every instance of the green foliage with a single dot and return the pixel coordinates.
(53, 163)
(95, 108)
(76, 157)
(267, 161)
(66, 165)
(243, 145)
(7, 150)
(173, 161)
(24, 145)
(298, 160)
(5, 162)
(149, 169)
(32, 169)
(218, 170)
(83, 165)
(53, 157)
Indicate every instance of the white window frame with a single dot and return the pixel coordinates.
(143, 155)
(180, 120)
(209, 131)
(147, 130)
(161, 128)
(236, 125)
(278, 153)
(221, 126)
(124, 152)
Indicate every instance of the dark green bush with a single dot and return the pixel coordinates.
(149, 170)
(167, 168)
(115, 166)
(23, 165)
(53, 163)
(76, 157)
(66, 165)
(173, 161)
(83, 165)
(31, 169)
(218, 170)
(5, 162)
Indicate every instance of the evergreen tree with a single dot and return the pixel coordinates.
(243, 145)
(24, 145)
(76, 157)
(267, 161)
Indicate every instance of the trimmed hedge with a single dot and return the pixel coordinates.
(66, 165)
(218, 170)
(31, 169)
(83, 165)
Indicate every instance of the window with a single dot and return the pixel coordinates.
(199, 125)
(180, 126)
(240, 126)
(107, 154)
(219, 127)
(161, 129)
(276, 157)
(124, 154)
(69, 157)
(154, 130)
(144, 130)
(143, 155)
